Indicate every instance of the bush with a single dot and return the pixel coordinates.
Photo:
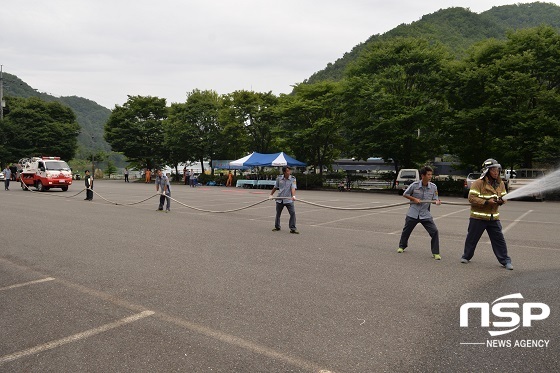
(204, 179)
(449, 187)
(309, 181)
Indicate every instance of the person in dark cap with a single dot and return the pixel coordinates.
(88, 180)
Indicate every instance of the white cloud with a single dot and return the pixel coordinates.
(105, 50)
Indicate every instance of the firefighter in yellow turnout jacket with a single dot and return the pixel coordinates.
(485, 198)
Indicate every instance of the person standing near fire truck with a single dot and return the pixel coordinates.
(89, 185)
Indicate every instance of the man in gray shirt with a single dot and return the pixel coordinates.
(7, 177)
(286, 185)
(162, 181)
(418, 212)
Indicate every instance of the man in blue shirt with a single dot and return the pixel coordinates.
(7, 177)
(418, 212)
(286, 185)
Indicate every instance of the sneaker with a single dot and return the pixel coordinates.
(509, 266)
(275, 229)
(294, 231)
(463, 260)
(400, 250)
(437, 257)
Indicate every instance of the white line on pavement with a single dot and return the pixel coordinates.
(514, 223)
(439, 217)
(74, 338)
(27, 283)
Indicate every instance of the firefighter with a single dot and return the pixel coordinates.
(485, 197)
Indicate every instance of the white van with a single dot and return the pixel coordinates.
(406, 177)
(509, 174)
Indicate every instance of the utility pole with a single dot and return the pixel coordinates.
(1, 93)
(92, 162)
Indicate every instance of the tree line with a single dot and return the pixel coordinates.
(406, 99)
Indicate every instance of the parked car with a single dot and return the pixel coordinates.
(406, 177)
(2, 176)
(476, 175)
(510, 174)
(468, 181)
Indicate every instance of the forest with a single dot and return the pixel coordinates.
(454, 84)
(405, 99)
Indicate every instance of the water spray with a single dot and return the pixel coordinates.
(545, 184)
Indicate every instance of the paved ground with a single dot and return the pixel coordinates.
(91, 286)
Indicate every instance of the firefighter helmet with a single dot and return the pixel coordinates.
(488, 164)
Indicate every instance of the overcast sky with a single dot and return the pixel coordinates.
(105, 50)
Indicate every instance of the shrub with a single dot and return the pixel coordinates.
(309, 181)
(449, 187)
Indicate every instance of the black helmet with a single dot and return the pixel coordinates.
(488, 164)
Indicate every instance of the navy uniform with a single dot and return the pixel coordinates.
(485, 197)
(88, 181)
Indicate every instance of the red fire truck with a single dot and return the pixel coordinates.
(44, 173)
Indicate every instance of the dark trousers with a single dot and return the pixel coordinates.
(6, 184)
(494, 229)
(162, 199)
(89, 194)
(428, 224)
(126, 178)
(187, 178)
(291, 210)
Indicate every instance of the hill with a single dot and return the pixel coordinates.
(90, 116)
(457, 28)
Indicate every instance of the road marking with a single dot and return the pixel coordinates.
(200, 329)
(74, 338)
(243, 343)
(439, 217)
(356, 217)
(514, 223)
(27, 283)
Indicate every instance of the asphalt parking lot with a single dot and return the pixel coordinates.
(94, 286)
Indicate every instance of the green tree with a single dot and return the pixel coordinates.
(135, 129)
(33, 127)
(234, 139)
(257, 113)
(111, 169)
(506, 100)
(192, 129)
(395, 101)
(311, 123)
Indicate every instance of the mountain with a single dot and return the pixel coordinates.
(90, 116)
(457, 28)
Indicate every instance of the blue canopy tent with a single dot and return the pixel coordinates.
(276, 159)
